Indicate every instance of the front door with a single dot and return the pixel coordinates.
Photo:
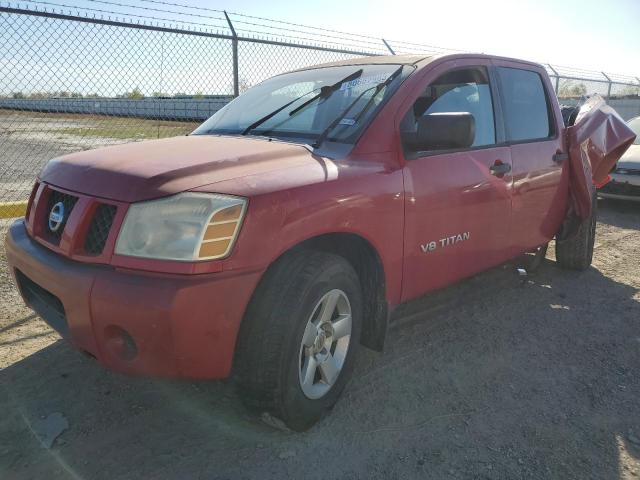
(458, 200)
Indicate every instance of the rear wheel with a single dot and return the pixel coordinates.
(299, 339)
(576, 251)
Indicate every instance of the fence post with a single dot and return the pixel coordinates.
(557, 86)
(234, 47)
(388, 46)
(609, 87)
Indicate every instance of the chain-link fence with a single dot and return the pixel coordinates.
(84, 79)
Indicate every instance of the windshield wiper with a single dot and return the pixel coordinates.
(323, 136)
(261, 120)
(325, 92)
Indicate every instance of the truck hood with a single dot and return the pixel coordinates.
(151, 169)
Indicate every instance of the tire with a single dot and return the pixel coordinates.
(576, 251)
(284, 313)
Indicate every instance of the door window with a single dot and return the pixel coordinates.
(458, 91)
(526, 106)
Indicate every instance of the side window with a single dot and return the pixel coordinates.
(458, 91)
(526, 107)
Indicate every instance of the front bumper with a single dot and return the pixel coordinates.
(175, 325)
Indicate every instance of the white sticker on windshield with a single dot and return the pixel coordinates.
(381, 77)
(347, 121)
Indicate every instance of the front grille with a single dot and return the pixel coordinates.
(44, 303)
(68, 202)
(31, 197)
(617, 188)
(99, 229)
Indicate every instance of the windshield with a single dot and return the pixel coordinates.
(313, 99)
(634, 124)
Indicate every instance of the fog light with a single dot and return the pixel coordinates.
(120, 343)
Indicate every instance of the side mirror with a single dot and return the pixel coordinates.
(443, 131)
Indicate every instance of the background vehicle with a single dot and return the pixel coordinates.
(279, 236)
(625, 179)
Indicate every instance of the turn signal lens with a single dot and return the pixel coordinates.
(221, 232)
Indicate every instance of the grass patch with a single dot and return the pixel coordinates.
(104, 126)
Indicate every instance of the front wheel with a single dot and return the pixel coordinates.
(299, 339)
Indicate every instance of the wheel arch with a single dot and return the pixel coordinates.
(367, 263)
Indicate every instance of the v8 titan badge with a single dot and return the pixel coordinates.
(445, 242)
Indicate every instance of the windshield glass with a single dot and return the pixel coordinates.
(634, 124)
(311, 104)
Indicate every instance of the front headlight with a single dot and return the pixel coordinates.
(187, 227)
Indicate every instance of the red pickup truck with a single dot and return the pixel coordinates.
(278, 237)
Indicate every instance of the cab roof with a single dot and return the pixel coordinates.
(372, 60)
(413, 60)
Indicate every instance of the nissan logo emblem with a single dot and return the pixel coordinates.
(56, 217)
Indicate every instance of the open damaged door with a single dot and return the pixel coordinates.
(596, 140)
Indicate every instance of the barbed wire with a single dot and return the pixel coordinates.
(367, 40)
(280, 35)
(342, 42)
(125, 14)
(313, 36)
(377, 42)
(160, 2)
(337, 44)
(207, 17)
(125, 5)
(260, 25)
(422, 45)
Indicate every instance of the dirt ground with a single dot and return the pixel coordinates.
(496, 378)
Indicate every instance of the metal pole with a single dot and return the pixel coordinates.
(388, 46)
(610, 83)
(234, 47)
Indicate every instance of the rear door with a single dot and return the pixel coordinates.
(457, 205)
(533, 129)
(597, 140)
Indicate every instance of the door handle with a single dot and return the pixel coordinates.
(499, 169)
(560, 157)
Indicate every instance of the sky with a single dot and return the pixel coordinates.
(596, 35)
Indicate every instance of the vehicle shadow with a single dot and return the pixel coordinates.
(497, 377)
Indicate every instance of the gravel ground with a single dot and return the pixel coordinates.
(28, 140)
(497, 377)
